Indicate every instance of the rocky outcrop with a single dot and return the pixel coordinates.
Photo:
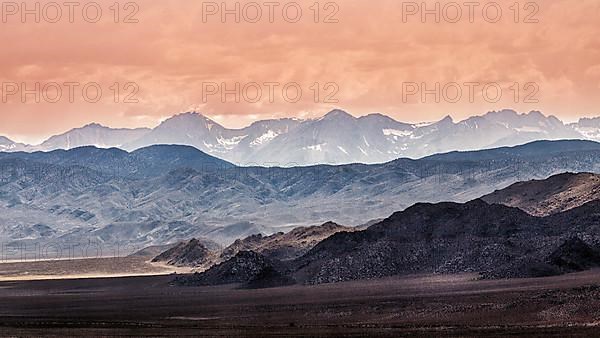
(248, 268)
(285, 246)
(187, 254)
(575, 255)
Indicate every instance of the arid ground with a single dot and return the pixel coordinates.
(432, 305)
(83, 268)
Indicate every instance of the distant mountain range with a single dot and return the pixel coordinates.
(336, 138)
(163, 194)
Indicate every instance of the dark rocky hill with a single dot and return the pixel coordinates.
(494, 240)
(248, 268)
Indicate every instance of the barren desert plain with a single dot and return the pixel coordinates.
(418, 305)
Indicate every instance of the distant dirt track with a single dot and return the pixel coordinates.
(456, 305)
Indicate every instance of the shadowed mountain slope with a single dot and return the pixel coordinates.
(494, 240)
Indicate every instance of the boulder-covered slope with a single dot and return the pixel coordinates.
(555, 194)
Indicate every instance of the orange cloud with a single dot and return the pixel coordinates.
(368, 57)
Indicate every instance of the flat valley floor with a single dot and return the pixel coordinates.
(431, 305)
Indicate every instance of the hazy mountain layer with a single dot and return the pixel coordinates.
(92, 135)
(152, 196)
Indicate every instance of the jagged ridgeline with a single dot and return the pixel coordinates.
(336, 138)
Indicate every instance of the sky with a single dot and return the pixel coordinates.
(153, 59)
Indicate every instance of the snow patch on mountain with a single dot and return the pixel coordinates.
(398, 133)
(316, 147)
(264, 138)
(230, 143)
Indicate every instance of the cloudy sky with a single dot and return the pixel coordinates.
(170, 56)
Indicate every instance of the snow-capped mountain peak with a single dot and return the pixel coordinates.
(336, 138)
(7, 144)
(588, 127)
